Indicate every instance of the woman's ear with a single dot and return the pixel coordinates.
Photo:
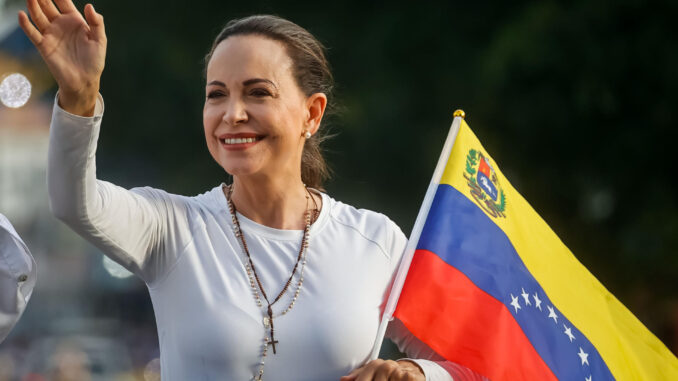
(315, 104)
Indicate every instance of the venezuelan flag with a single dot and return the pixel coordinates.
(491, 287)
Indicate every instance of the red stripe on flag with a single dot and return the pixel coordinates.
(464, 324)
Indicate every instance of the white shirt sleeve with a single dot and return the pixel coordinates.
(143, 229)
(17, 277)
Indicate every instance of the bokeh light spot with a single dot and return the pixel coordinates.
(15, 89)
(152, 370)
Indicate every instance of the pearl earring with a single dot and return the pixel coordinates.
(307, 135)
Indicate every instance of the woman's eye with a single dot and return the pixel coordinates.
(260, 93)
(214, 94)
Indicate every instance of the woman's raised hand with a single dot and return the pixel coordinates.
(72, 46)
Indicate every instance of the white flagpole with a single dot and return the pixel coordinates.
(416, 233)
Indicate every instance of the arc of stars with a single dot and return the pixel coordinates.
(515, 303)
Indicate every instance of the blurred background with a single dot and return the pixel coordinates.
(576, 101)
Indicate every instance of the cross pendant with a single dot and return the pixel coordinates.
(272, 342)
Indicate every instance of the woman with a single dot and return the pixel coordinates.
(17, 276)
(265, 278)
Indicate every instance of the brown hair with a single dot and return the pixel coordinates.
(311, 71)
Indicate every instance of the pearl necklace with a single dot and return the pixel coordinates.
(256, 285)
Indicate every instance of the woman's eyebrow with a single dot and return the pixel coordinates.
(217, 83)
(258, 80)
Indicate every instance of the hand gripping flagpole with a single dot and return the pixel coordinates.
(416, 233)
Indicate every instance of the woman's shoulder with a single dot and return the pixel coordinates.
(369, 224)
(359, 217)
(206, 201)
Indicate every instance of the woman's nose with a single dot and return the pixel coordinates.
(235, 112)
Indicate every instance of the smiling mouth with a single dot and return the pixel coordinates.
(239, 142)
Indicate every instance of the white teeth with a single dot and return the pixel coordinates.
(239, 140)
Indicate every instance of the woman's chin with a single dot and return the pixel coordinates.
(240, 170)
(236, 165)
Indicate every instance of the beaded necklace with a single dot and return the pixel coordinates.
(255, 283)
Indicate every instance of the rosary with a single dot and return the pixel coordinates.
(255, 283)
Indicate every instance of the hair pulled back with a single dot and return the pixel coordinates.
(310, 69)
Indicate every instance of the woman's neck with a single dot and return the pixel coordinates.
(280, 203)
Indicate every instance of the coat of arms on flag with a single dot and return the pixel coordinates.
(484, 184)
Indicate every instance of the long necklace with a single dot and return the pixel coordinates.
(256, 285)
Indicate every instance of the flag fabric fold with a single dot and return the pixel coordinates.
(491, 287)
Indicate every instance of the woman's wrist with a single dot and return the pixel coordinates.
(79, 103)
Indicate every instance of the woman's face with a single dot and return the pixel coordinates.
(255, 115)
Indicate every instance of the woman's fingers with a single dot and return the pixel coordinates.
(386, 370)
(31, 31)
(49, 9)
(96, 23)
(37, 15)
(378, 370)
(66, 6)
(367, 373)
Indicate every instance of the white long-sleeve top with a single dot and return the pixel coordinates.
(17, 276)
(185, 250)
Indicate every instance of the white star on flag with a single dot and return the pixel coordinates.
(526, 296)
(537, 301)
(514, 302)
(568, 332)
(583, 356)
(589, 378)
(552, 314)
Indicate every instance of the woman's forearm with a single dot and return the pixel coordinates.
(71, 170)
